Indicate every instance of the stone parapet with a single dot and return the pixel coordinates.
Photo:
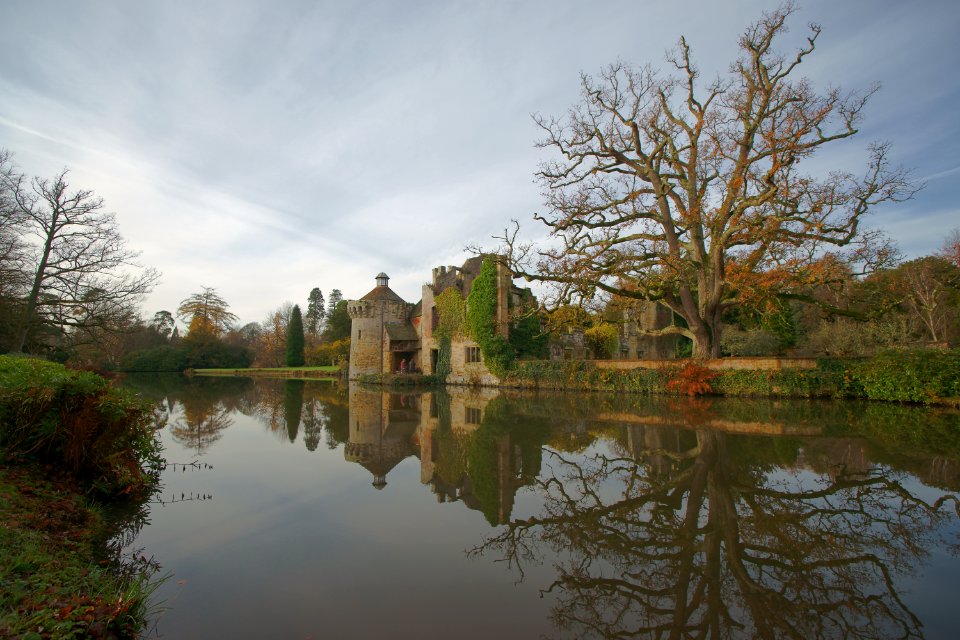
(391, 311)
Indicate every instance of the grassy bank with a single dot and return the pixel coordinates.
(68, 439)
(55, 581)
(928, 377)
(303, 373)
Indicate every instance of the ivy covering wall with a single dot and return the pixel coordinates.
(481, 317)
(452, 323)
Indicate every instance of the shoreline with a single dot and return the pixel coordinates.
(920, 377)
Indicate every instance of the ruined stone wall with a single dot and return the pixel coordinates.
(427, 306)
(569, 345)
(471, 373)
(634, 345)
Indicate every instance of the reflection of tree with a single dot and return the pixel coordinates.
(337, 426)
(292, 406)
(285, 405)
(719, 546)
(200, 425)
(312, 424)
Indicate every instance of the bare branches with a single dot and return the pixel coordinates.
(659, 183)
(711, 548)
(81, 273)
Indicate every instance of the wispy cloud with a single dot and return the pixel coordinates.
(266, 150)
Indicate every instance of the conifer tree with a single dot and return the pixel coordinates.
(335, 298)
(295, 339)
(315, 312)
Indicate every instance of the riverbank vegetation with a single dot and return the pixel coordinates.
(70, 441)
(922, 376)
(58, 580)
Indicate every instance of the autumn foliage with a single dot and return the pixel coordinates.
(693, 380)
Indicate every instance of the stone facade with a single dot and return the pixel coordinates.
(390, 335)
(633, 344)
(372, 348)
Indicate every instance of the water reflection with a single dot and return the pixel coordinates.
(701, 533)
(660, 517)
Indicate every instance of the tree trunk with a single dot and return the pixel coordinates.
(706, 341)
(27, 319)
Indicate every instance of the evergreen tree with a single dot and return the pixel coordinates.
(295, 339)
(315, 312)
(164, 323)
(338, 323)
(335, 298)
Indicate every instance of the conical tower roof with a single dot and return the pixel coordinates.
(382, 291)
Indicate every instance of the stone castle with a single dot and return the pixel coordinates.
(389, 335)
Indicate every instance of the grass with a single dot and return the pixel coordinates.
(55, 583)
(101, 435)
(276, 372)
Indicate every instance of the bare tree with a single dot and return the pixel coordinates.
(951, 247)
(271, 341)
(13, 280)
(931, 289)
(694, 197)
(82, 273)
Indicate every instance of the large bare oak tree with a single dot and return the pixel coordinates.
(697, 197)
(80, 274)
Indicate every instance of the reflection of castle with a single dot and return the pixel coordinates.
(482, 471)
(382, 431)
(464, 460)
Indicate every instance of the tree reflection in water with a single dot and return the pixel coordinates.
(710, 538)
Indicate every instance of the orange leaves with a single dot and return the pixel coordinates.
(693, 380)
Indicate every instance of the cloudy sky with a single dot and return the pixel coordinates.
(266, 148)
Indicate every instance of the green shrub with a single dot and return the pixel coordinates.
(754, 342)
(77, 421)
(527, 337)
(162, 358)
(910, 376)
(602, 339)
(329, 353)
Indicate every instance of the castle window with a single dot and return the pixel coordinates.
(472, 415)
(472, 354)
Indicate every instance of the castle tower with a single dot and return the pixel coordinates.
(372, 317)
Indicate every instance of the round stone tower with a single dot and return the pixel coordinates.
(369, 345)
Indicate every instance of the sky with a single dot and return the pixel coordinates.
(267, 148)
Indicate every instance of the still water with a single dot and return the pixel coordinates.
(313, 510)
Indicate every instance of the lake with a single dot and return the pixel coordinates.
(295, 509)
